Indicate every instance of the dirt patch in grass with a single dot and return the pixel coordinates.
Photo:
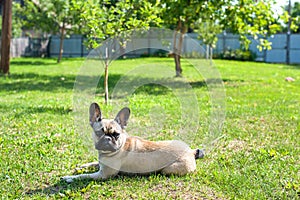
(184, 190)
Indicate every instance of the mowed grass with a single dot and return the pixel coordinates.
(256, 156)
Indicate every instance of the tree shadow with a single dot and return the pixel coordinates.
(139, 84)
(198, 84)
(295, 66)
(157, 89)
(59, 187)
(64, 188)
(40, 82)
(61, 110)
(37, 82)
(166, 86)
(40, 63)
(149, 85)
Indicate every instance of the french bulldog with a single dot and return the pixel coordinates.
(120, 153)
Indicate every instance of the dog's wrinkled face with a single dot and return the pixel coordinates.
(107, 132)
(106, 135)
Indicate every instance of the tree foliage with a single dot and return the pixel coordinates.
(52, 16)
(180, 15)
(17, 22)
(209, 18)
(247, 18)
(102, 19)
(107, 19)
(295, 18)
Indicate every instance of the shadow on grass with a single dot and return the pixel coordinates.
(198, 84)
(157, 89)
(60, 187)
(64, 189)
(40, 82)
(24, 110)
(148, 85)
(33, 82)
(40, 63)
(295, 66)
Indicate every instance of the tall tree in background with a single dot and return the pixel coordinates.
(248, 18)
(245, 17)
(296, 16)
(53, 16)
(179, 15)
(293, 18)
(6, 35)
(108, 19)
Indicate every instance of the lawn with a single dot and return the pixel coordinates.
(257, 155)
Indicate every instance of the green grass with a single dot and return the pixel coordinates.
(257, 156)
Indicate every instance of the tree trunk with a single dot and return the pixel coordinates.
(6, 36)
(61, 44)
(178, 56)
(177, 48)
(177, 65)
(106, 76)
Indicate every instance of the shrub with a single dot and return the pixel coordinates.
(238, 54)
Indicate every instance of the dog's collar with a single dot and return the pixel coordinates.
(109, 153)
(104, 152)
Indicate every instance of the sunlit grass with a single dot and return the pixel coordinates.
(257, 156)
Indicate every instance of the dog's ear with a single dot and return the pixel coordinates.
(122, 117)
(95, 113)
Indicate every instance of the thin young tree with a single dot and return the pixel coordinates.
(109, 19)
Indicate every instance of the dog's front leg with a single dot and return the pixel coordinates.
(94, 176)
(103, 173)
(88, 165)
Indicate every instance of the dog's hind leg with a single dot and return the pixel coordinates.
(185, 164)
(199, 153)
(179, 168)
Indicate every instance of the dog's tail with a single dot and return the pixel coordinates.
(199, 153)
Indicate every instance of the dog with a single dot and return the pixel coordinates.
(120, 153)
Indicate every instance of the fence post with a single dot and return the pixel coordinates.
(288, 35)
(224, 41)
(81, 54)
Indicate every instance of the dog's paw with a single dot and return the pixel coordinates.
(68, 179)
